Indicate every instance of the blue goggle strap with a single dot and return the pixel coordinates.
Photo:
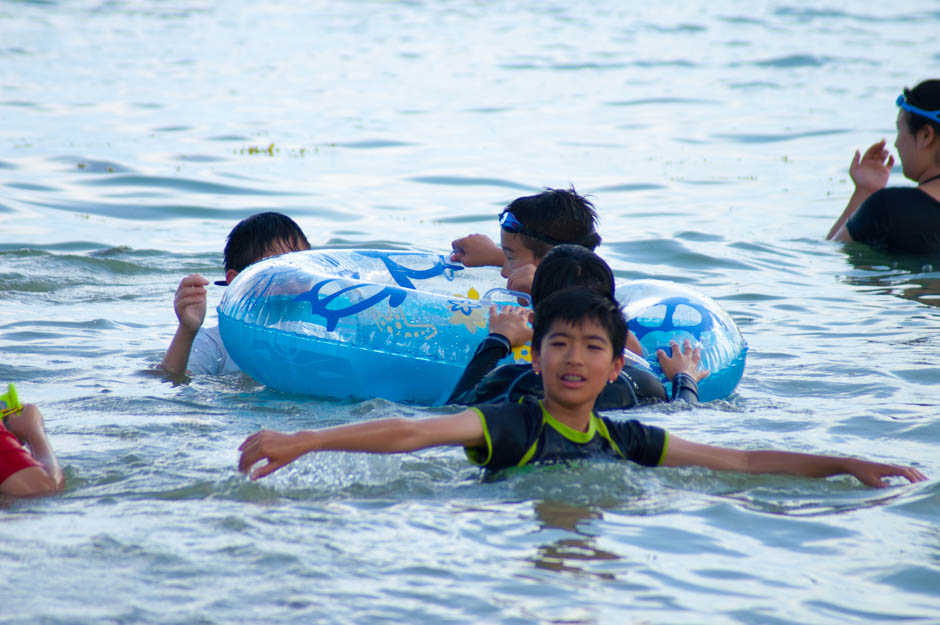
(910, 108)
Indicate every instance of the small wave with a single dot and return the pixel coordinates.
(461, 181)
(239, 138)
(28, 186)
(645, 101)
(678, 28)
(92, 166)
(26, 104)
(639, 186)
(151, 212)
(178, 184)
(774, 138)
(791, 61)
(367, 144)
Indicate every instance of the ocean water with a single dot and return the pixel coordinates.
(715, 140)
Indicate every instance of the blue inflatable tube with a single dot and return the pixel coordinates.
(402, 325)
(660, 312)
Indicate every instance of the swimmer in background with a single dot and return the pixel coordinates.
(31, 470)
(567, 266)
(578, 344)
(199, 350)
(902, 219)
(529, 228)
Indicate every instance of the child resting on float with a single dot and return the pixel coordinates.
(529, 227)
(578, 344)
(566, 266)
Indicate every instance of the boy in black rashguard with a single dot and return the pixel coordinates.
(578, 344)
(565, 266)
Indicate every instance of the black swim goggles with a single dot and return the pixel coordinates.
(904, 104)
(511, 224)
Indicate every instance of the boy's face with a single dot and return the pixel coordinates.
(576, 361)
(517, 255)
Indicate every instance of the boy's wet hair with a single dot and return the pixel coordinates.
(924, 96)
(256, 237)
(558, 214)
(574, 306)
(567, 266)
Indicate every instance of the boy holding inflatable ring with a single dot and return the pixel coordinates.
(529, 227)
(578, 347)
(565, 266)
(199, 350)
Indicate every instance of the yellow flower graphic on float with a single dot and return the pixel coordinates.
(469, 314)
(521, 354)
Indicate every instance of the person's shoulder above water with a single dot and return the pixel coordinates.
(903, 219)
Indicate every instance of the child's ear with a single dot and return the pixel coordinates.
(230, 275)
(536, 363)
(928, 135)
(616, 367)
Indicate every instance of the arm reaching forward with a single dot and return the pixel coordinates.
(685, 453)
(383, 436)
(477, 250)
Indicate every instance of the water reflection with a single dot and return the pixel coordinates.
(913, 277)
(570, 554)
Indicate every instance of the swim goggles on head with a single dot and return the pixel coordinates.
(511, 224)
(903, 103)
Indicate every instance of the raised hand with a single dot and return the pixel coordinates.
(521, 279)
(190, 302)
(870, 172)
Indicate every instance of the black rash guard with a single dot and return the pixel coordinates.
(483, 382)
(900, 219)
(522, 433)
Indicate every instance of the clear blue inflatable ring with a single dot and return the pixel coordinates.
(402, 325)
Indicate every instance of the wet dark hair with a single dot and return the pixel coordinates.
(925, 96)
(557, 214)
(567, 266)
(574, 306)
(255, 237)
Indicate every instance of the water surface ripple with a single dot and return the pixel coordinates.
(714, 139)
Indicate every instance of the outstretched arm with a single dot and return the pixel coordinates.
(869, 173)
(384, 436)
(27, 425)
(685, 453)
(190, 307)
(477, 250)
